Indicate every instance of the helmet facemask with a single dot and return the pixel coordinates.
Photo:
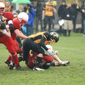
(55, 37)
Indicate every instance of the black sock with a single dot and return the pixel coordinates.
(38, 61)
(52, 64)
(46, 66)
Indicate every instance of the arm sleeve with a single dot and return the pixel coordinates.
(42, 43)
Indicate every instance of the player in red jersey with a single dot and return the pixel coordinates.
(45, 63)
(15, 32)
(8, 42)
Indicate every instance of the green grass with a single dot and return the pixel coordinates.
(70, 48)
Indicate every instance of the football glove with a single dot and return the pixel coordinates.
(10, 23)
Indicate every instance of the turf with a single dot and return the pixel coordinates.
(70, 48)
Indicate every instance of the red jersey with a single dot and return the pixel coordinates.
(32, 60)
(16, 25)
(8, 16)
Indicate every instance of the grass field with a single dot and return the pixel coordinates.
(70, 48)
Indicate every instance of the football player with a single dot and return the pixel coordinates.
(15, 32)
(44, 64)
(8, 42)
(35, 43)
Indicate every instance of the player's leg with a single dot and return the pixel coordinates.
(10, 46)
(47, 61)
(36, 48)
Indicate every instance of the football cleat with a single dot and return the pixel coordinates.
(19, 68)
(7, 62)
(11, 65)
(38, 69)
(65, 63)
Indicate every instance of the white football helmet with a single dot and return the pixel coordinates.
(23, 17)
(50, 48)
(2, 7)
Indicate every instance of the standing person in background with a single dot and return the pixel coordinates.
(47, 14)
(25, 9)
(38, 15)
(53, 20)
(7, 7)
(75, 7)
(83, 16)
(61, 13)
(68, 19)
(31, 14)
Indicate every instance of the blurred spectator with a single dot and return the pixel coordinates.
(47, 15)
(17, 11)
(75, 7)
(38, 15)
(83, 16)
(61, 13)
(25, 8)
(15, 14)
(32, 4)
(68, 19)
(7, 7)
(53, 20)
(31, 14)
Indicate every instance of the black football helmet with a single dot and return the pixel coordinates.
(55, 37)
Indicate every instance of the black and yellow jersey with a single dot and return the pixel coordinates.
(42, 38)
(2, 19)
(2, 23)
(48, 10)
